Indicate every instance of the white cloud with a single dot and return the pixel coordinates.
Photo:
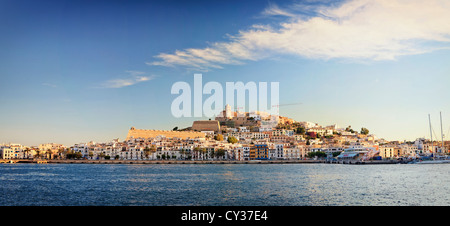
(357, 29)
(133, 78)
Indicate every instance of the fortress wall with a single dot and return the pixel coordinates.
(141, 133)
(206, 125)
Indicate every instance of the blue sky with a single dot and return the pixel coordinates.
(76, 71)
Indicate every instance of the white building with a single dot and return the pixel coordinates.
(260, 135)
(208, 133)
(6, 152)
(83, 148)
(228, 112)
(292, 153)
(246, 152)
(239, 153)
(279, 151)
(243, 129)
(321, 131)
(289, 132)
(308, 125)
(333, 149)
(50, 146)
(11, 151)
(419, 143)
(409, 150)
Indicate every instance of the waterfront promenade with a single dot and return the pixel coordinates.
(84, 161)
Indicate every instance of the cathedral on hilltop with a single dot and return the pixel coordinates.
(234, 119)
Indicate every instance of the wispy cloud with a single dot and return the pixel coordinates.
(133, 78)
(274, 10)
(356, 29)
(49, 85)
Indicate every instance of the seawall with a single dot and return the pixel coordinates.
(172, 161)
(66, 161)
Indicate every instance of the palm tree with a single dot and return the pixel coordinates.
(220, 152)
(196, 151)
(212, 153)
(183, 153)
(146, 152)
(78, 155)
(38, 154)
(60, 151)
(203, 151)
(49, 154)
(27, 150)
(68, 152)
(153, 149)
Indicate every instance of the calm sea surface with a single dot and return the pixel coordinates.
(224, 185)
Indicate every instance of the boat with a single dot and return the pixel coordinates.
(435, 159)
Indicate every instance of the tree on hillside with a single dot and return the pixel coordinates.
(232, 139)
(349, 129)
(300, 130)
(364, 131)
(218, 137)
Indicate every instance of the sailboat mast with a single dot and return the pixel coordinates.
(442, 135)
(431, 134)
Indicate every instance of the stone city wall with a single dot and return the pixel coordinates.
(141, 133)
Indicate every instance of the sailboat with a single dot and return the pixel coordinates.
(436, 159)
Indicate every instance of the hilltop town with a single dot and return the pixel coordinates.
(236, 136)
